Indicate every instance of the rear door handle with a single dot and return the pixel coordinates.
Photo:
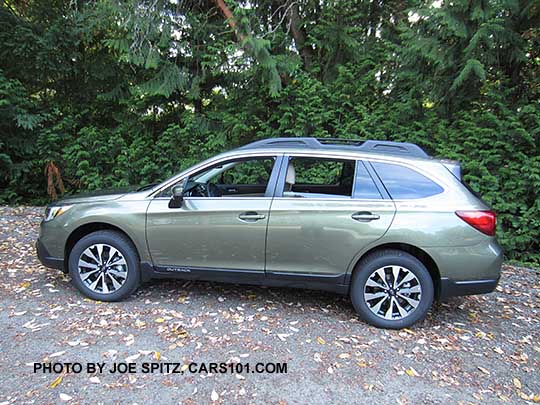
(364, 216)
(251, 216)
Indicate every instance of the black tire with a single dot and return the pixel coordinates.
(378, 260)
(124, 245)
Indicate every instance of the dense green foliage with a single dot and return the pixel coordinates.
(101, 94)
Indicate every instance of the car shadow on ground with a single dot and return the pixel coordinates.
(455, 309)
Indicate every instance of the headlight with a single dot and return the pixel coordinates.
(53, 212)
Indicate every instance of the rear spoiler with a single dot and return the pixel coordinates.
(453, 167)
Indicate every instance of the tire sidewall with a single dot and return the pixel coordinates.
(412, 264)
(125, 248)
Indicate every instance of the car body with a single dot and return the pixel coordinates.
(296, 212)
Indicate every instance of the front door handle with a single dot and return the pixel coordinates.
(251, 216)
(364, 216)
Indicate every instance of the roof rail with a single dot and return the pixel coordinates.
(388, 147)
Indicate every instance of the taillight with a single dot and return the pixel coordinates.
(484, 221)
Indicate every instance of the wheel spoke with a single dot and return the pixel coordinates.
(113, 256)
(375, 308)
(402, 311)
(373, 283)
(95, 282)
(390, 311)
(372, 296)
(395, 273)
(115, 282)
(84, 263)
(117, 261)
(84, 276)
(118, 272)
(100, 253)
(411, 290)
(104, 287)
(414, 303)
(88, 252)
(408, 277)
(382, 274)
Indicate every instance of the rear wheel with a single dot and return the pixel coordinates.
(104, 266)
(391, 289)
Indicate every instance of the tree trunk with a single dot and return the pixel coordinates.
(299, 36)
(230, 19)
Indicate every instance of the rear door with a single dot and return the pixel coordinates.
(324, 212)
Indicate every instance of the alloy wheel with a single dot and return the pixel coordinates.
(102, 268)
(392, 292)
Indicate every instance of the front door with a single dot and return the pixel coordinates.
(222, 222)
(328, 211)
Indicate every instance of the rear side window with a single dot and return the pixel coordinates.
(309, 177)
(404, 183)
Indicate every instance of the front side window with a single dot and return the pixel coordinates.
(247, 177)
(403, 183)
(308, 177)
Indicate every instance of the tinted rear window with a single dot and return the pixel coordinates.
(404, 183)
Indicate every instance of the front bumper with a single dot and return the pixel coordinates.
(46, 259)
(450, 288)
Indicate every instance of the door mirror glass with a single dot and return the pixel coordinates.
(177, 195)
(178, 191)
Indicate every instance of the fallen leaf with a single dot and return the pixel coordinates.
(321, 341)
(95, 380)
(483, 370)
(517, 383)
(65, 397)
(56, 381)
(160, 320)
(215, 395)
(131, 359)
(411, 372)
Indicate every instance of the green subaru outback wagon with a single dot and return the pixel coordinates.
(379, 221)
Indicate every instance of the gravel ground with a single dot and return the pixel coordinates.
(479, 349)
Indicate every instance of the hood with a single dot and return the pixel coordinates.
(96, 196)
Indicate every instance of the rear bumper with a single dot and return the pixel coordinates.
(46, 259)
(450, 288)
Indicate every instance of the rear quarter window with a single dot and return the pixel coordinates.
(404, 183)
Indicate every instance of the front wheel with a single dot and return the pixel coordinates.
(104, 265)
(391, 289)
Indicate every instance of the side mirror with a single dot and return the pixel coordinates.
(177, 196)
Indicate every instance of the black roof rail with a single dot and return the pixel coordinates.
(389, 147)
(283, 142)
